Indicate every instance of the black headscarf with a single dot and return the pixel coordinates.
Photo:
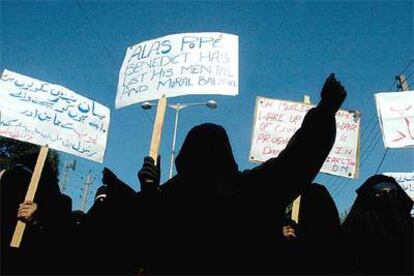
(205, 150)
(374, 187)
(109, 228)
(383, 206)
(206, 160)
(46, 228)
(380, 228)
(15, 182)
(319, 216)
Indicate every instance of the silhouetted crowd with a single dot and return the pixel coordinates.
(211, 218)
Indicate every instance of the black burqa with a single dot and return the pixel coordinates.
(380, 229)
(108, 230)
(42, 240)
(220, 220)
(318, 246)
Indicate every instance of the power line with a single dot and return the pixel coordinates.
(337, 189)
(339, 184)
(87, 169)
(382, 161)
(369, 151)
(369, 126)
(371, 145)
(369, 140)
(372, 126)
(377, 136)
(340, 187)
(335, 184)
(112, 59)
(409, 77)
(98, 37)
(407, 66)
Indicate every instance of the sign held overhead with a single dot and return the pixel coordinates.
(179, 64)
(276, 121)
(396, 118)
(406, 181)
(51, 115)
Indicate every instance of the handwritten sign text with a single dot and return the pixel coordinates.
(179, 64)
(276, 121)
(47, 114)
(396, 116)
(406, 181)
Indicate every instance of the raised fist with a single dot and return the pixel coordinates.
(333, 94)
(149, 175)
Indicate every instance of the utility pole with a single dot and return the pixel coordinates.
(402, 82)
(68, 165)
(87, 184)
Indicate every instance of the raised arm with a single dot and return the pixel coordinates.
(298, 164)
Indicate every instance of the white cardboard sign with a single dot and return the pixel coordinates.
(406, 181)
(42, 113)
(276, 121)
(179, 64)
(396, 117)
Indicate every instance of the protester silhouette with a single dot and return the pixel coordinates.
(217, 219)
(315, 243)
(109, 229)
(379, 228)
(46, 217)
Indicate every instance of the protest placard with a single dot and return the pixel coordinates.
(179, 64)
(406, 181)
(275, 122)
(396, 118)
(42, 113)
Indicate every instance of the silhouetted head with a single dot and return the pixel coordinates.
(380, 191)
(381, 210)
(21, 173)
(206, 154)
(29, 158)
(318, 216)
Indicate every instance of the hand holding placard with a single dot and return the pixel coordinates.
(31, 192)
(149, 175)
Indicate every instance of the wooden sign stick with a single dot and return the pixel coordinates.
(157, 130)
(296, 202)
(358, 150)
(295, 209)
(31, 192)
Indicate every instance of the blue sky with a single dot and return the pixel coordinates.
(286, 49)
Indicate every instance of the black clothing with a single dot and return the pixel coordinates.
(318, 246)
(380, 229)
(109, 231)
(216, 219)
(42, 239)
